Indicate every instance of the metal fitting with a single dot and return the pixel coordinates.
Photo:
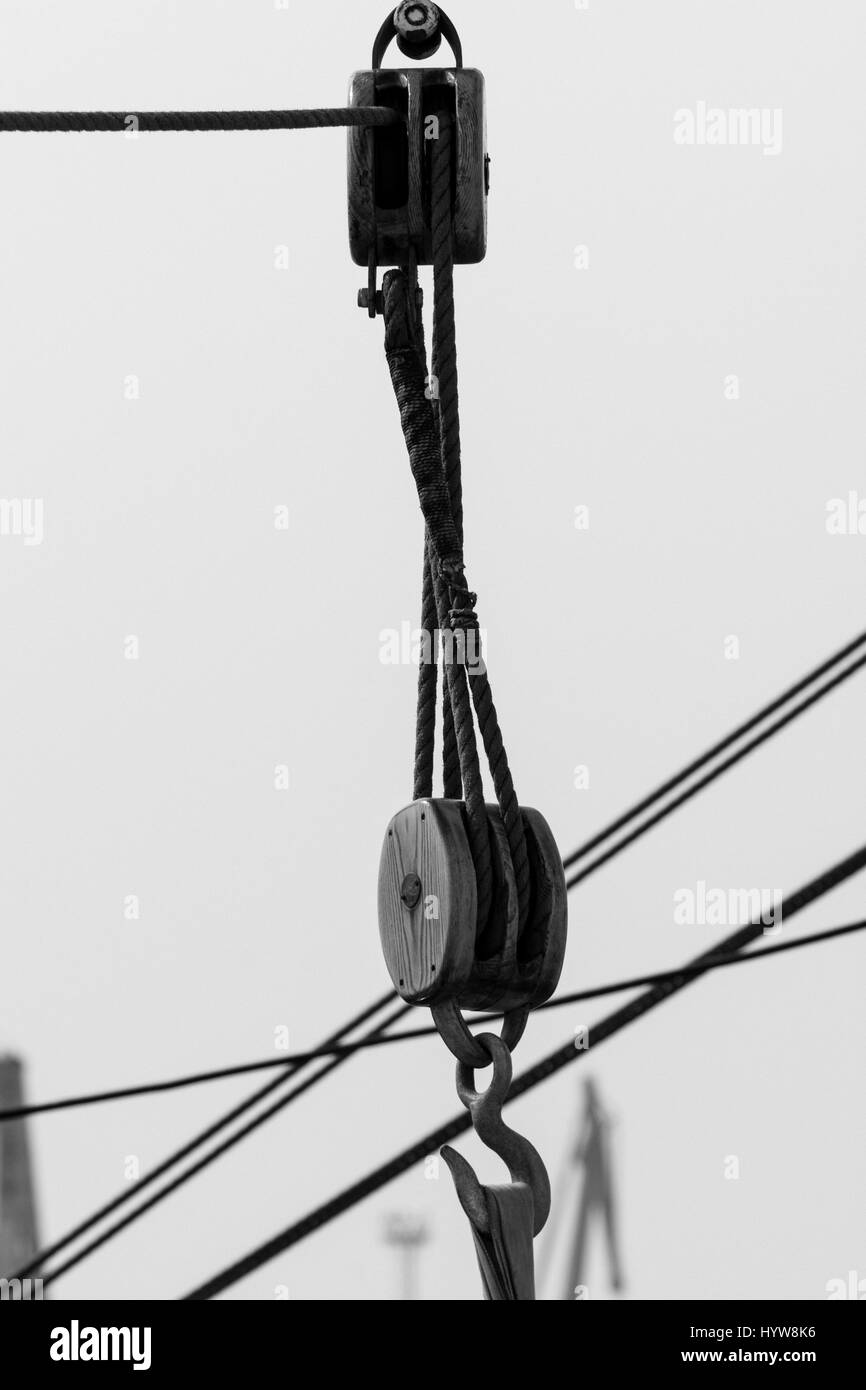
(418, 28)
(411, 891)
(374, 302)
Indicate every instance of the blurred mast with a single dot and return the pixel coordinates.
(18, 1235)
(407, 1234)
(593, 1154)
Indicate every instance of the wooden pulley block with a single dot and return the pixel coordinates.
(428, 912)
(390, 166)
(428, 901)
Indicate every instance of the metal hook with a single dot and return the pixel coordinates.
(454, 1032)
(524, 1163)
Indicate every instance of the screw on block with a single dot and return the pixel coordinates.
(418, 27)
(411, 891)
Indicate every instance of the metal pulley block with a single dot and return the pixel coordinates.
(428, 910)
(390, 166)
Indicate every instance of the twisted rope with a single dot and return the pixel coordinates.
(45, 121)
(444, 321)
(428, 671)
(409, 380)
(428, 682)
(462, 614)
(447, 403)
(434, 601)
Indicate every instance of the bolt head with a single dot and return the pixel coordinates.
(417, 21)
(411, 891)
(374, 305)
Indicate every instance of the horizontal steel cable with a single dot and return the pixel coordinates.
(725, 766)
(299, 1059)
(210, 1132)
(696, 765)
(248, 121)
(699, 763)
(84, 122)
(544, 1069)
(205, 1161)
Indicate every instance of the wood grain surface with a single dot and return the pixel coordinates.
(428, 948)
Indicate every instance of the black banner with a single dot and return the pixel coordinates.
(60, 1340)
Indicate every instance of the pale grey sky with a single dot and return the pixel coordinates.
(602, 387)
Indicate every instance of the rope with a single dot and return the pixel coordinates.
(428, 682)
(433, 440)
(445, 370)
(428, 671)
(445, 557)
(722, 746)
(446, 397)
(39, 1260)
(716, 962)
(411, 1034)
(444, 319)
(409, 380)
(622, 820)
(544, 1069)
(725, 766)
(183, 1178)
(89, 121)
(33, 121)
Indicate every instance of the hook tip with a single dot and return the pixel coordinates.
(470, 1193)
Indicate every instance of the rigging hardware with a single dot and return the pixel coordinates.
(472, 898)
(390, 169)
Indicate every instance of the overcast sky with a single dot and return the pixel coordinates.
(668, 334)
